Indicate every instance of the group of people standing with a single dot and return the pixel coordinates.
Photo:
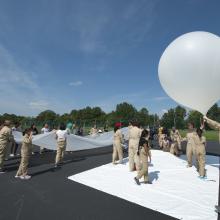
(139, 147)
(138, 150)
(7, 139)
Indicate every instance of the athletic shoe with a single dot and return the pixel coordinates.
(17, 176)
(137, 181)
(27, 177)
(148, 182)
(11, 155)
(2, 171)
(202, 177)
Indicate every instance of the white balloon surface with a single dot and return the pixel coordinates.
(189, 70)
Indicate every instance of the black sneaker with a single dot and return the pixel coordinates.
(148, 182)
(137, 181)
(217, 209)
(2, 170)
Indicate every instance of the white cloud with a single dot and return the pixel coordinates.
(76, 83)
(164, 111)
(161, 98)
(39, 105)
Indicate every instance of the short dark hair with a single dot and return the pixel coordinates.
(144, 133)
(26, 131)
(62, 126)
(116, 128)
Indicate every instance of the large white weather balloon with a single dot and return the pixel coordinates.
(189, 70)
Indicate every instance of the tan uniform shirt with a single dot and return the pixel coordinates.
(134, 133)
(118, 136)
(175, 136)
(26, 147)
(6, 135)
(215, 125)
(199, 142)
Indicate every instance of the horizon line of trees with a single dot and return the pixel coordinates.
(124, 112)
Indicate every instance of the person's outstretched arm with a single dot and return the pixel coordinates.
(212, 123)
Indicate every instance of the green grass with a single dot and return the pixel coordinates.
(210, 135)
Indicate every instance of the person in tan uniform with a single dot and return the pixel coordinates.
(26, 150)
(61, 136)
(134, 138)
(176, 142)
(143, 153)
(160, 137)
(190, 148)
(93, 131)
(6, 138)
(117, 146)
(175, 135)
(215, 125)
(166, 144)
(200, 142)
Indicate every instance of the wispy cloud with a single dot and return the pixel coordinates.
(18, 87)
(161, 98)
(39, 105)
(106, 28)
(76, 83)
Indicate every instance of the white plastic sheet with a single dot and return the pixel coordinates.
(176, 190)
(74, 142)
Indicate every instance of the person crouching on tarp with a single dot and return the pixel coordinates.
(200, 142)
(117, 146)
(143, 153)
(26, 150)
(61, 136)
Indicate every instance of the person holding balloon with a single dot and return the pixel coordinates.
(215, 125)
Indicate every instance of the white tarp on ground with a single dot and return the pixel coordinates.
(74, 142)
(176, 190)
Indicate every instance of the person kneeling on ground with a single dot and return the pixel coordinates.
(143, 153)
(200, 142)
(26, 149)
(61, 136)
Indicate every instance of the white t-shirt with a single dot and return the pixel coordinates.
(61, 135)
(45, 130)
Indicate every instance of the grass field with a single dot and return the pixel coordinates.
(210, 135)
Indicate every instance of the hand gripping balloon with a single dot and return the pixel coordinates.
(189, 70)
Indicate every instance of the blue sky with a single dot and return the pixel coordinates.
(69, 54)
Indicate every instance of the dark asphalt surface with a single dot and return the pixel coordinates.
(50, 195)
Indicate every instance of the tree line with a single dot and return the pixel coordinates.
(123, 113)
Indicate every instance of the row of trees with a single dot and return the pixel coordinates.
(124, 112)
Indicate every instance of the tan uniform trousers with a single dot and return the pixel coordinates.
(117, 151)
(3, 151)
(174, 148)
(200, 154)
(22, 171)
(25, 157)
(61, 147)
(143, 172)
(132, 154)
(190, 151)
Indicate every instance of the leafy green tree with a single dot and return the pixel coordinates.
(125, 112)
